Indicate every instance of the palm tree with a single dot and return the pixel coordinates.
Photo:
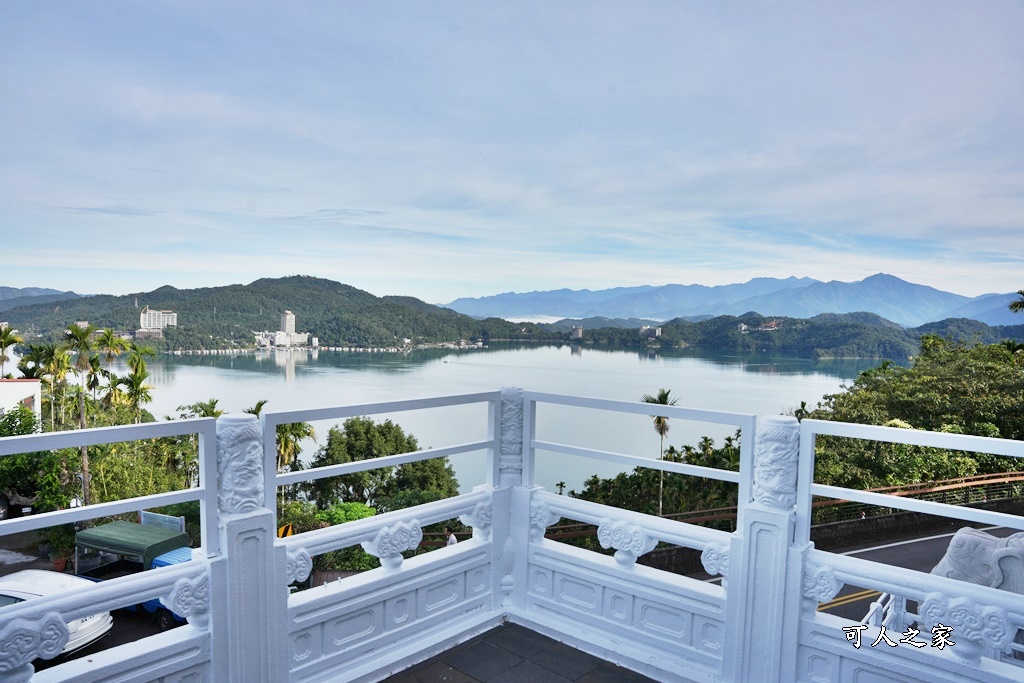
(137, 356)
(288, 438)
(80, 343)
(137, 391)
(660, 426)
(256, 409)
(1012, 346)
(95, 376)
(110, 345)
(8, 338)
(1018, 305)
(288, 449)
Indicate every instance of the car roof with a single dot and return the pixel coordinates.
(39, 582)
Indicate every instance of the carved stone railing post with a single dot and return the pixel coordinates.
(510, 449)
(510, 503)
(760, 577)
(250, 643)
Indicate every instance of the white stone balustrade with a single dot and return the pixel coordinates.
(760, 624)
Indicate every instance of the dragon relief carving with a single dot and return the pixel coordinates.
(239, 464)
(776, 454)
(391, 541)
(510, 452)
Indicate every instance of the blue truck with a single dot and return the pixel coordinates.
(121, 548)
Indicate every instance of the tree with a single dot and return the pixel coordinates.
(80, 344)
(201, 409)
(1017, 306)
(289, 436)
(8, 338)
(257, 408)
(110, 345)
(661, 426)
(137, 356)
(42, 479)
(136, 391)
(951, 387)
(359, 438)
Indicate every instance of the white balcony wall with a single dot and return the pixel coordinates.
(761, 624)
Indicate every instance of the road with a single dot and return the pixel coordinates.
(920, 554)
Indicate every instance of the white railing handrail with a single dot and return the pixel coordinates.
(670, 531)
(103, 596)
(912, 584)
(807, 488)
(205, 428)
(746, 424)
(300, 476)
(637, 461)
(270, 420)
(338, 536)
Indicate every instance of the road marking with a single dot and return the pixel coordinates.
(847, 599)
(913, 540)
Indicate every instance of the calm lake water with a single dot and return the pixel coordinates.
(297, 380)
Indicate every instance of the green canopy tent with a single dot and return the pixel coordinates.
(128, 539)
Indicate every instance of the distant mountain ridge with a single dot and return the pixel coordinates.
(908, 304)
(12, 297)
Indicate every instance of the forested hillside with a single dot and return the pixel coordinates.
(833, 335)
(219, 317)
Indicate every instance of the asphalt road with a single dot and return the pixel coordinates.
(920, 554)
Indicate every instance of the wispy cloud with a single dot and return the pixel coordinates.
(445, 150)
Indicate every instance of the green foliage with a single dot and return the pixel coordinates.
(304, 516)
(359, 438)
(47, 478)
(637, 490)
(951, 387)
(61, 539)
(226, 317)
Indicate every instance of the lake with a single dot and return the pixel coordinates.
(292, 380)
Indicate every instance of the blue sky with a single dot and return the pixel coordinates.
(447, 149)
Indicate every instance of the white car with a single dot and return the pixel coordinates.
(36, 583)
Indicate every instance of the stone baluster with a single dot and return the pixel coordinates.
(250, 644)
(757, 600)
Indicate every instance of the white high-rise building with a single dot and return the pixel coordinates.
(157, 320)
(288, 322)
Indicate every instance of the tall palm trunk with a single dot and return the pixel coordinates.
(84, 449)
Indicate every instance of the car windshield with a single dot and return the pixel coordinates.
(6, 600)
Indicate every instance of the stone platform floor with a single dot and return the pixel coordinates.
(513, 654)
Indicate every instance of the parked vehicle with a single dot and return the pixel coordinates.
(121, 548)
(36, 583)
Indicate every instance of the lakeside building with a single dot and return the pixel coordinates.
(157, 320)
(576, 333)
(285, 337)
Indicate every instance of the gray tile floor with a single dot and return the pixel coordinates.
(513, 654)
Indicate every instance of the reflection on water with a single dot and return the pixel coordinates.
(292, 380)
(273, 361)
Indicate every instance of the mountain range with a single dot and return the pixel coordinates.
(905, 303)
